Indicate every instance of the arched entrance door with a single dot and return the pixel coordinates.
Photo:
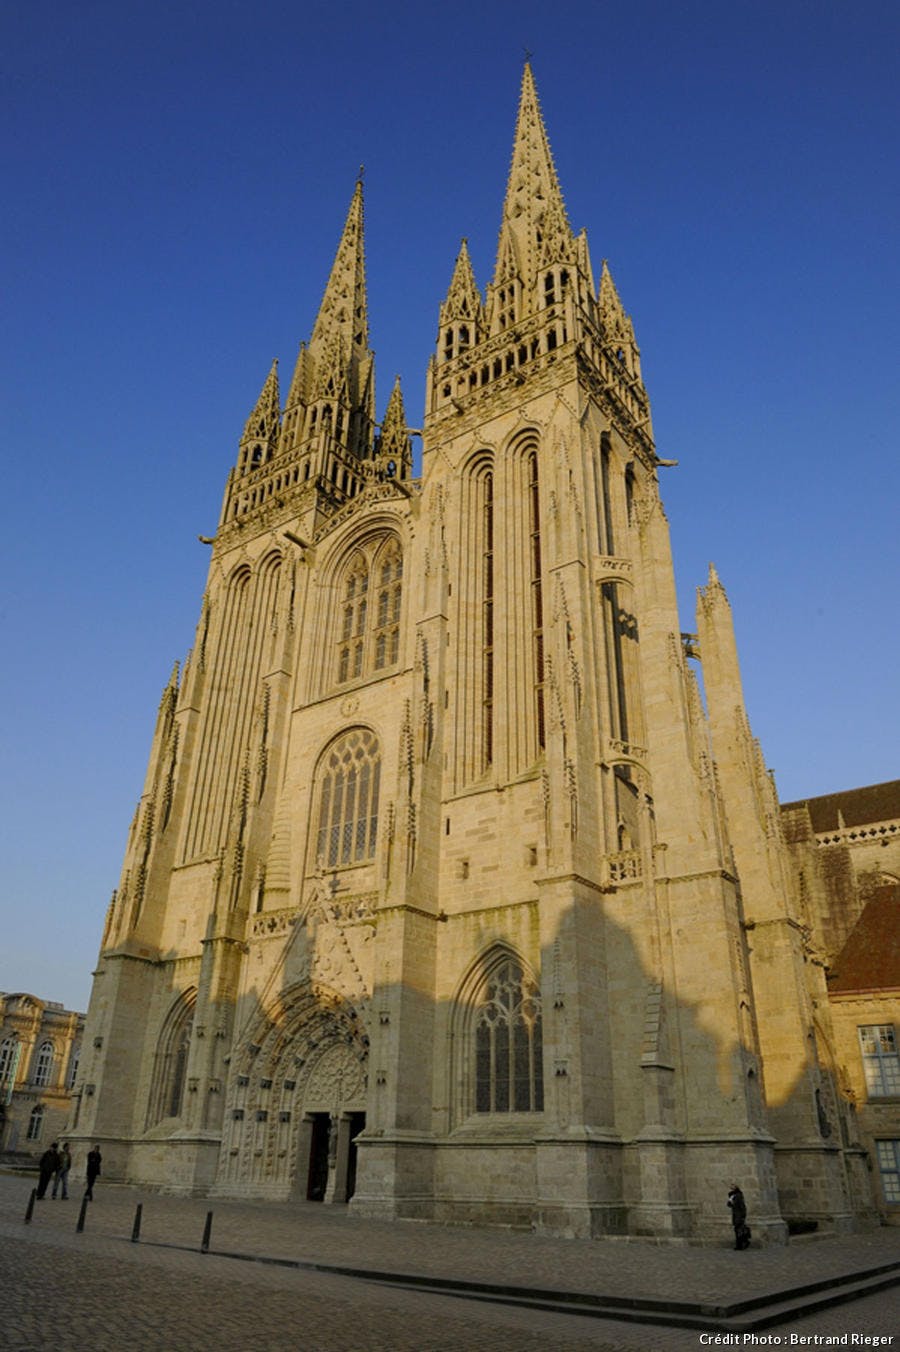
(333, 1117)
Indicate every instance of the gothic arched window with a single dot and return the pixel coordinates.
(389, 581)
(371, 592)
(507, 1061)
(43, 1065)
(348, 800)
(170, 1071)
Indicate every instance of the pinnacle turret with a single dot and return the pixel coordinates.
(260, 440)
(462, 315)
(394, 449)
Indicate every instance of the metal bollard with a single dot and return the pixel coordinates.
(136, 1228)
(207, 1231)
(81, 1215)
(30, 1207)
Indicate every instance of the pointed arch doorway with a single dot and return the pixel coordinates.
(334, 1114)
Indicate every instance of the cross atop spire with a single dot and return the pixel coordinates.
(342, 320)
(534, 215)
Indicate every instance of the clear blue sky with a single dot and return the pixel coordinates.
(177, 176)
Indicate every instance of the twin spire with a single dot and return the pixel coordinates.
(534, 229)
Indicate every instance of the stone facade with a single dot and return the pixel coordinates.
(845, 852)
(40, 1047)
(445, 893)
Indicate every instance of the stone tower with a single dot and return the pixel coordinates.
(439, 891)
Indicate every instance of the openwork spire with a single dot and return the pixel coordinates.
(342, 321)
(535, 229)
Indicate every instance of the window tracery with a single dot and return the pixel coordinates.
(507, 1067)
(369, 621)
(348, 800)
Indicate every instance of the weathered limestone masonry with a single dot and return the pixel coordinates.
(439, 892)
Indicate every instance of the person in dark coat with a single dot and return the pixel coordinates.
(93, 1170)
(739, 1217)
(49, 1163)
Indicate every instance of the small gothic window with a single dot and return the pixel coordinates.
(44, 1065)
(348, 800)
(35, 1122)
(508, 1044)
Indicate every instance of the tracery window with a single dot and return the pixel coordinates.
(389, 569)
(881, 1060)
(35, 1123)
(369, 623)
(508, 1067)
(44, 1064)
(170, 1071)
(348, 800)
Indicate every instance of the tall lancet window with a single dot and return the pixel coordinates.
(389, 583)
(371, 596)
(170, 1069)
(537, 599)
(348, 800)
(351, 648)
(508, 1042)
(487, 620)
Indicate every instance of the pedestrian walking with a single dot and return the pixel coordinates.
(49, 1163)
(61, 1177)
(739, 1217)
(93, 1170)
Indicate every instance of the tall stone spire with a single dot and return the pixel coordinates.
(535, 229)
(343, 313)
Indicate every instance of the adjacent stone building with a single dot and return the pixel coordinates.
(845, 850)
(40, 1046)
(445, 893)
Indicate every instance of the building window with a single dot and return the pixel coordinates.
(9, 1060)
(889, 1167)
(35, 1123)
(369, 621)
(348, 800)
(881, 1060)
(537, 602)
(73, 1066)
(44, 1065)
(508, 1045)
(389, 572)
(487, 621)
(170, 1071)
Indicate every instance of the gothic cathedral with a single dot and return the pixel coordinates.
(447, 894)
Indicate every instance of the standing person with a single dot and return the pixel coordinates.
(61, 1177)
(93, 1169)
(739, 1217)
(47, 1168)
